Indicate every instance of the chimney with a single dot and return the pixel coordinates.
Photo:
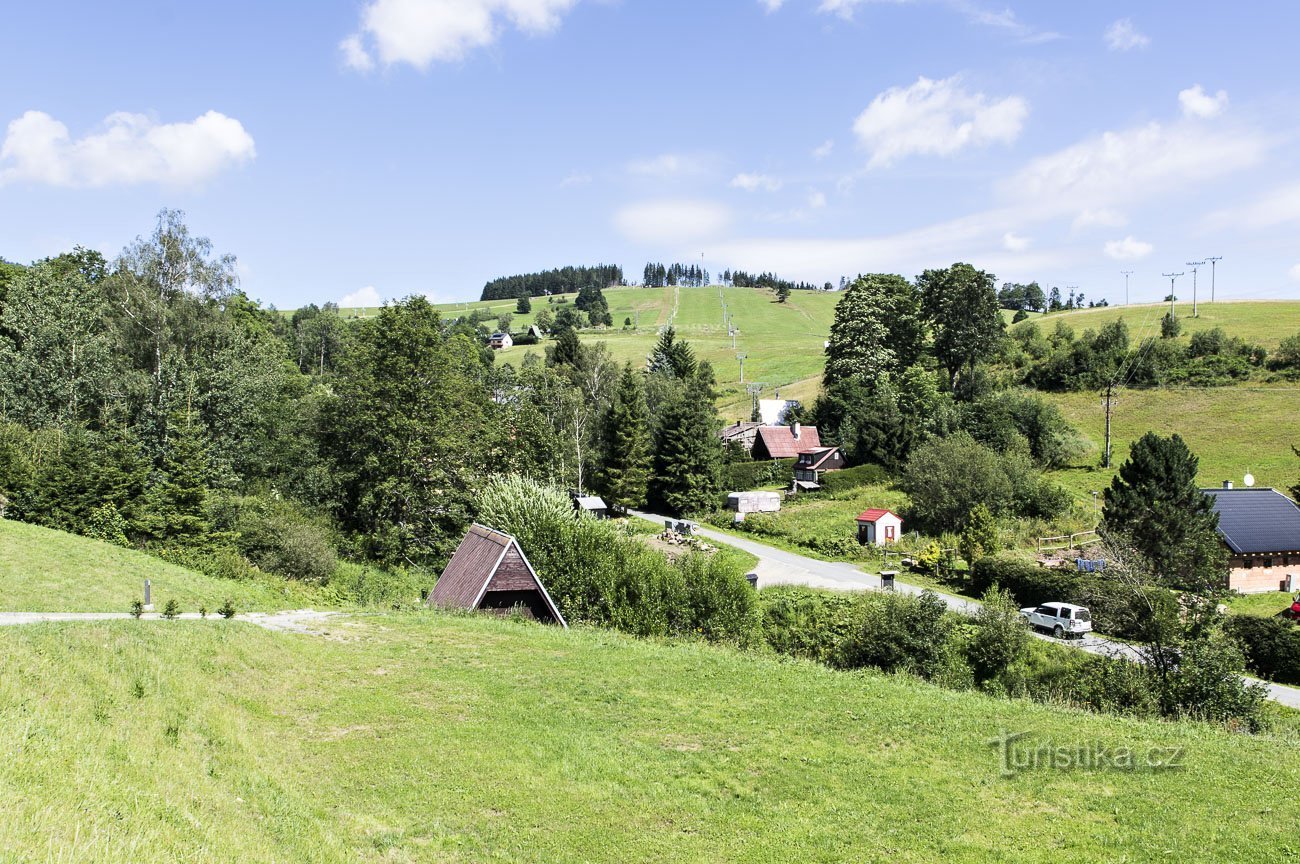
(1227, 484)
(796, 430)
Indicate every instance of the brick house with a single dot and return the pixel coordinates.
(1261, 528)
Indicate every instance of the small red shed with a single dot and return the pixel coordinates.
(876, 527)
(489, 571)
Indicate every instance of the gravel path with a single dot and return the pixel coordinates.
(292, 621)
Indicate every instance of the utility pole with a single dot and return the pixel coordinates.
(741, 357)
(1213, 261)
(1109, 402)
(1172, 277)
(755, 389)
(1127, 273)
(1195, 265)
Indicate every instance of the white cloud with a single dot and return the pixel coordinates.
(771, 5)
(1100, 217)
(755, 182)
(1123, 36)
(419, 32)
(1013, 242)
(577, 178)
(1294, 273)
(666, 165)
(1197, 103)
(824, 149)
(1132, 165)
(365, 298)
(1128, 249)
(130, 148)
(1277, 207)
(816, 199)
(935, 118)
(355, 55)
(671, 221)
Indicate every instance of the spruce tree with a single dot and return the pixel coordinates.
(178, 501)
(672, 357)
(688, 453)
(625, 437)
(523, 305)
(567, 350)
(1156, 506)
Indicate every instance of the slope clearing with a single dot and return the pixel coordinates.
(429, 737)
(49, 571)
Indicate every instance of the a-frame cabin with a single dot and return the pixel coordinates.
(489, 571)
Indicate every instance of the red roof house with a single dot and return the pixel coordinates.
(876, 527)
(489, 571)
(784, 442)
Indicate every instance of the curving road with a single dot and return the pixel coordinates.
(779, 567)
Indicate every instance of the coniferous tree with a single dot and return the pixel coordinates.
(688, 453)
(1156, 505)
(567, 350)
(178, 499)
(625, 437)
(523, 305)
(672, 357)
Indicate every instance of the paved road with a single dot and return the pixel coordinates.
(779, 567)
(297, 620)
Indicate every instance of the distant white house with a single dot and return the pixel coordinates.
(500, 340)
(772, 411)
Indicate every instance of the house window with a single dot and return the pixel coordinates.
(1267, 562)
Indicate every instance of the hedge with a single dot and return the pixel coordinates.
(743, 476)
(1271, 646)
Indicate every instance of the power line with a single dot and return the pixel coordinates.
(1127, 273)
(1195, 265)
(1213, 261)
(1172, 277)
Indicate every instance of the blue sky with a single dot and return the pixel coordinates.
(379, 148)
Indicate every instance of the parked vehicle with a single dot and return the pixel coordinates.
(1062, 619)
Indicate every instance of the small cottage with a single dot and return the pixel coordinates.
(490, 572)
(500, 340)
(740, 434)
(784, 442)
(535, 332)
(878, 527)
(1261, 528)
(593, 505)
(813, 463)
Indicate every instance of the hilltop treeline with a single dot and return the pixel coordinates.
(562, 280)
(770, 281)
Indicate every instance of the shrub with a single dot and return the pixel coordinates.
(1170, 327)
(227, 609)
(807, 623)
(1271, 646)
(107, 524)
(999, 636)
(741, 476)
(853, 478)
(1287, 355)
(367, 585)
(1207, 684)
(171, 609)
(203, 611)
(137, 608)
(899, 632)
(279, 536)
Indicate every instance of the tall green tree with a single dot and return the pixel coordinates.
(962, 306)
(624, 472)
(177, 501)
(687, 453)
(671, 357)
(878, 329)
(410, 428)
(523, 305)
(1155, 505)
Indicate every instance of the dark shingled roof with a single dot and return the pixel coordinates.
(471, 570)
(1254, 521)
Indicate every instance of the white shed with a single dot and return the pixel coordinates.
(877, 527)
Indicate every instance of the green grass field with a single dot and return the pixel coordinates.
(49, 571)
(428, 737)
(1265, 322)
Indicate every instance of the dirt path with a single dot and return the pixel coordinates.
(289, 621)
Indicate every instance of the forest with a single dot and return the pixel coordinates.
(562, 280)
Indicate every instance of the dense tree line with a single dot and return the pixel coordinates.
(148, 401)
(658, 276)
(768, 281)
(562, 280)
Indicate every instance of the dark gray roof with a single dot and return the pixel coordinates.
(1253, 521)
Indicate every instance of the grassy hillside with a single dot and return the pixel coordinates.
(439, 738)
(1266, 322)
(50, 571)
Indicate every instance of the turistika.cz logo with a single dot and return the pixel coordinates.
(1018, 753)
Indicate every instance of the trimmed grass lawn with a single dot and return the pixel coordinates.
(431, 737)
(42, 570)
(1260, 605)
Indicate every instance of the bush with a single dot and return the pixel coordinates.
(171, 609)
(899, 633)
(1271, 646)
(279, 536)
(807, 623)
(137, 608)
(742, 476)
(367, 585)
(852, 478)
(107, 524)
(1170, 327)
(1208, 684)
(227, 609)
(999, 636)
